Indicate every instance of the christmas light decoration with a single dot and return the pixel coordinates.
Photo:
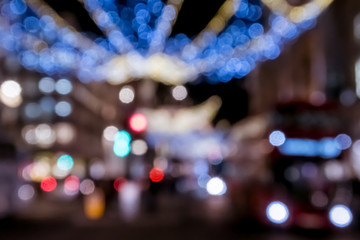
(137, 40)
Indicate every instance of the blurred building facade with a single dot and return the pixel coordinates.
(318, 66)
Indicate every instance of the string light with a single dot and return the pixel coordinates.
(137, 41)
(300, 13)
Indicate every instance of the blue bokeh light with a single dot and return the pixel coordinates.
(326, 147)
(122, 136)
(143, 27)
(344, 141)
(63, 108)
(340, 216)
(47, 85)
(65, 162)
(277, 138)
(63, 86)
(18, 6)
(121, 147)
(277, 212)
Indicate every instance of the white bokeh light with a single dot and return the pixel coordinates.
(10, 93)
(47, 85)
(65, 133)
(277, 138)
(277, 212)
(216, 186)
(110, 132)
(11, 89)
(87, 187)
(63, 109)
(139, 147)
(179, 93)
(127, 94)
(63, 86)
(28, 134)
(45, 135)
(334, 170)
(340, 216)
(26, 192)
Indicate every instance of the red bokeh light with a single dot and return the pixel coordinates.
(138, 122)
(156, 175)
(48, 184)
(119, 183)
(72, 183)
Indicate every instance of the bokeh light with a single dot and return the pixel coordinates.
(63, 108)
(156, 175)
(334, 170)
(47, 104)
(32, 110)
(26, 192)
(138, 122)
(10, 93)
(277, 212)
(65, 162)
(87, 186)
(122, 136)
(203, 180)
(119, 183)
(277, 138)
(179, 93)
(59, 173)
(141, 46)
(72, 184)
(48, 184)
(11, 102)
(344, 141)
(139, 147)
(340, 216)
(63, 86)
(65, 133)
(28, 134)
(121, 148)
(216, 186)
(121, 145)
(126, 94)
(161, 162)
(94, 204)
(97, 170)
(46, 85)
(39, 170)
(10, 89)
(110, 132)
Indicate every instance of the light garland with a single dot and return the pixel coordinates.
(300, 13)
(137, 43)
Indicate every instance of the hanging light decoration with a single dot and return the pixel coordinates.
(137, 39)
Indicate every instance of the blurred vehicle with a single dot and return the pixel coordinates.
(309, 188)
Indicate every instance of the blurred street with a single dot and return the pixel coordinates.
(179, 119)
